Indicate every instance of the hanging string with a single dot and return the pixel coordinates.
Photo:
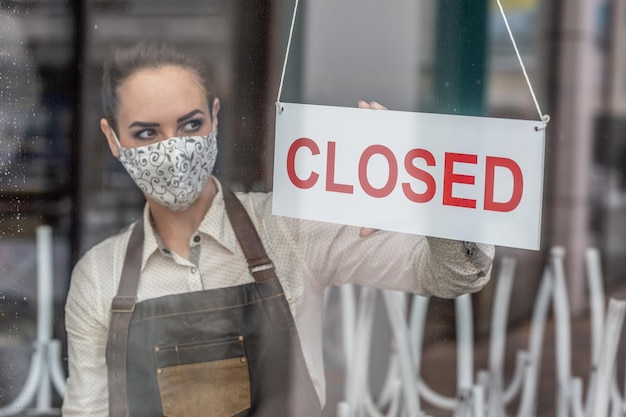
(545, 118)
(279, 106)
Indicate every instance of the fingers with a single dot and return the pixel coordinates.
(377, 106)
(371, 105)
(367, 231)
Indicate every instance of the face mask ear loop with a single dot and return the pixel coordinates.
(117, 141)
(213, 126)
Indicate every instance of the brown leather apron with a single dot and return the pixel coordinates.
(230, 351)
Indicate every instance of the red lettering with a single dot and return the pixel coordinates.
(450, 178)
(393, 171)
(291, 162)
(331, 185)
(419, 174)
(518, 184)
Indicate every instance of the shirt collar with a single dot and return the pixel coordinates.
(214, 224)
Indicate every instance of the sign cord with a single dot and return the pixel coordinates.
(545, 118)
(279, 106)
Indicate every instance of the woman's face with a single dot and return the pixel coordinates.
(157, 104)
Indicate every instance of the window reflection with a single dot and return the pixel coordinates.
(39, 106)
(36, 66)
(18, 98)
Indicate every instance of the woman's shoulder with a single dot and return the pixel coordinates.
(254, 197)
(260, 208)
(257, 204)
(103, 257)
(95, 279)
(111, 244)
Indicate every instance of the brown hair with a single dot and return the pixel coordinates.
(127, 60)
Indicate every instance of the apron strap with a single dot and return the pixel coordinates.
(260, 265)
(123, 305)
(122, 309)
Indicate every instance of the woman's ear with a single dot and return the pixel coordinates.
(108, 133)
(214, 111)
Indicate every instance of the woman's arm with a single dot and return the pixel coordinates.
(424, 265)
(86, 322)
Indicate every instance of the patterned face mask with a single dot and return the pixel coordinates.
(174, 171)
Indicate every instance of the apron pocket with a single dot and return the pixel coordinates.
(203, 379)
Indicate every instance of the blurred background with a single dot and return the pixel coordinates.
(444, 56)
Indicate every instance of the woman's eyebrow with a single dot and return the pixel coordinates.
(188, 115)
(153, 124)
(143, 124)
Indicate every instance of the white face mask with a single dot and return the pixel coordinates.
(174, 171)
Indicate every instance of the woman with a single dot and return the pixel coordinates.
(202, 307)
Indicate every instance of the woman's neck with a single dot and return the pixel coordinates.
(175, 228)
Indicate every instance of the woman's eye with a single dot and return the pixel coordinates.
(192, 125)
(145, 134)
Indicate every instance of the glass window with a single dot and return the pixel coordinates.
(443, 56)
(37, 101)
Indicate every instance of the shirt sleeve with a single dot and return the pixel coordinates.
(445, 268)
(87, 328)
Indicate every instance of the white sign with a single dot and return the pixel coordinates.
(458, 177)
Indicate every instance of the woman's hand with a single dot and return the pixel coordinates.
(372, 105)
